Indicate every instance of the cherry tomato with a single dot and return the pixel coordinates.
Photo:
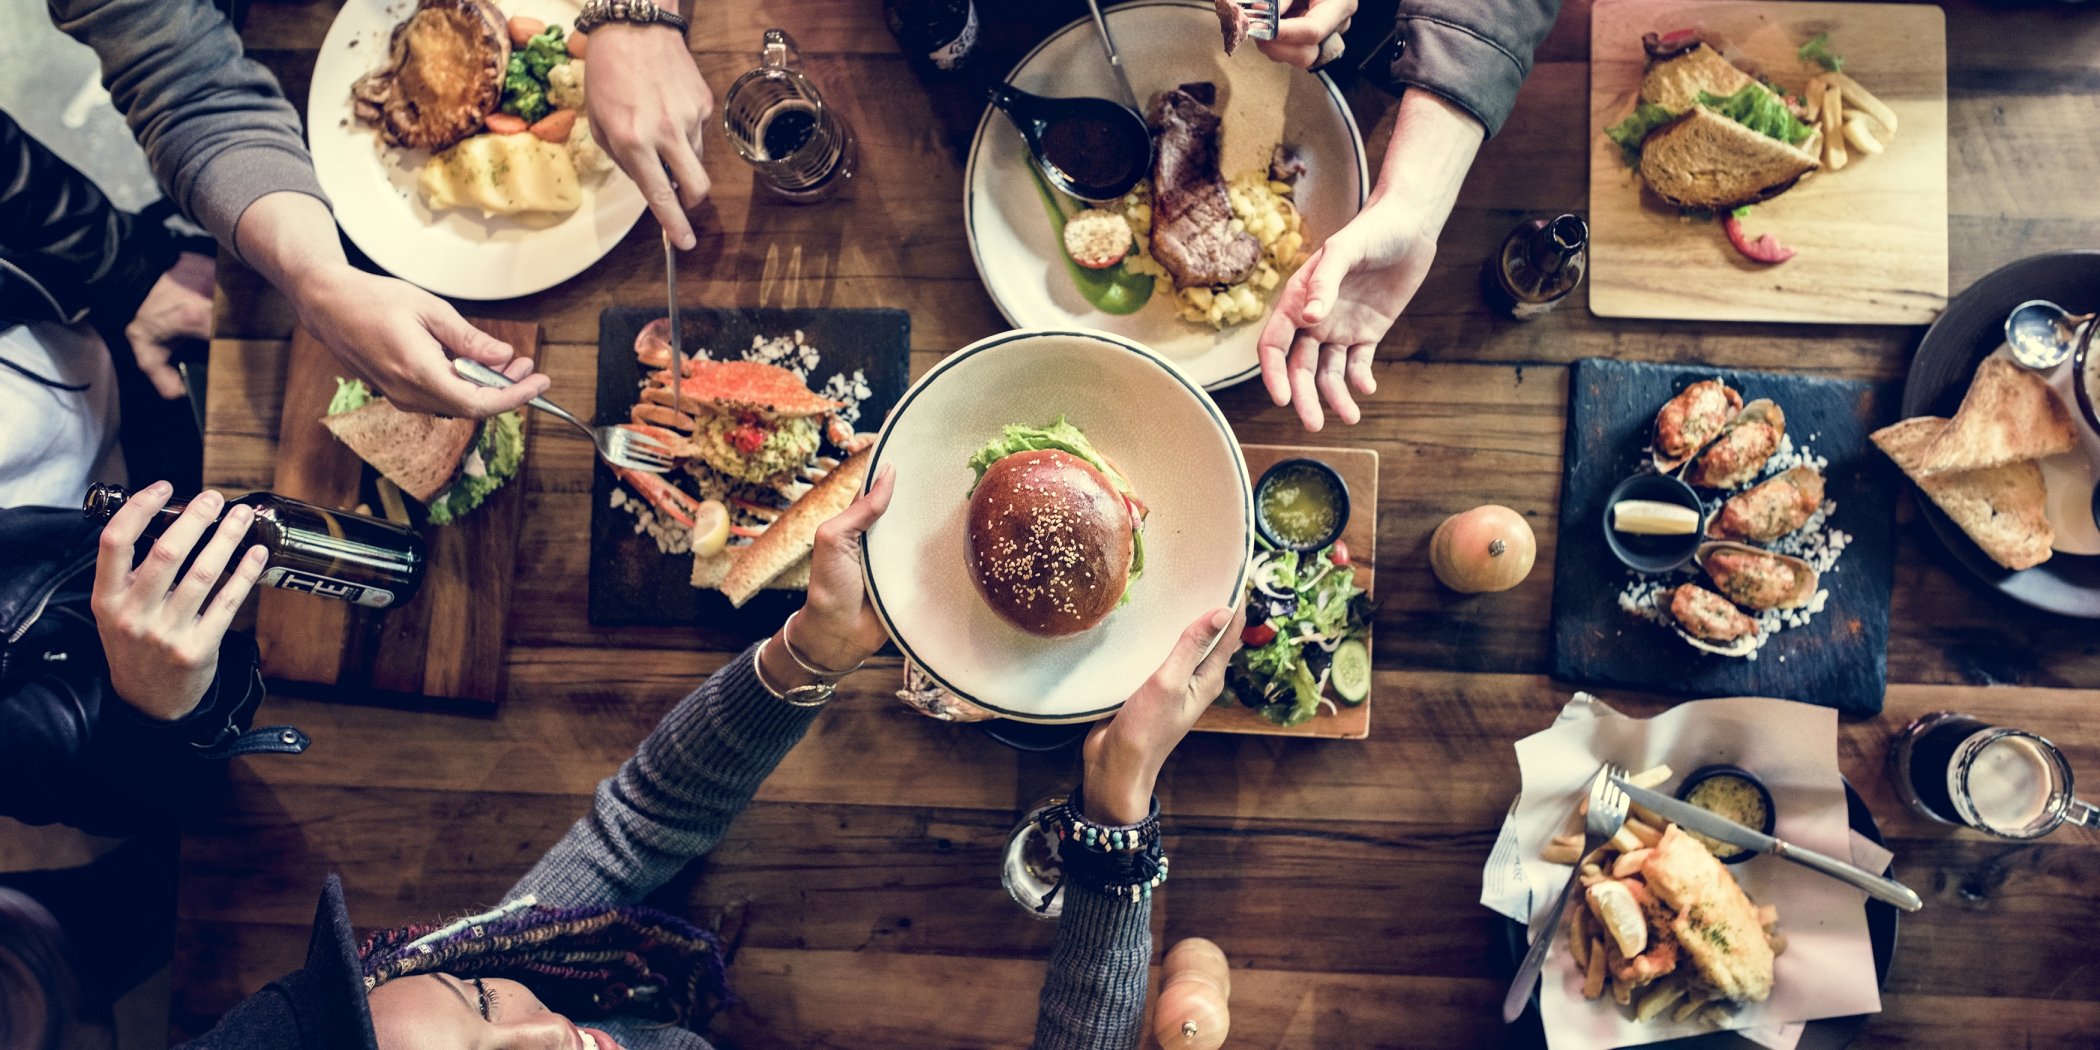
(1340, 554)
(1257, 635)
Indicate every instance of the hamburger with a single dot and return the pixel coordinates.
(1707, 135)
(449, 465)
(1056, 536)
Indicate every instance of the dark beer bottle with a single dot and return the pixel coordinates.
(332, 553)
(1538, 264)
(939, 33)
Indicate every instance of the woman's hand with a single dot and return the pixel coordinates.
(648, 106)
(160, 637)
(1343, 300)
(1123, 755)
(838, 627)
(1308, 24)
(175, 310)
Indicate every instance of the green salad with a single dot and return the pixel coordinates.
(494, 457)
(1306, 624)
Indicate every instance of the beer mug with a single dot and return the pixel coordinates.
(1956, 769)
(779, 123)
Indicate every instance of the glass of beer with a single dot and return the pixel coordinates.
(802, 149)
(1958, 769)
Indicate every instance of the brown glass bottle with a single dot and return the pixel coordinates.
(1538, 264)
(314, 550)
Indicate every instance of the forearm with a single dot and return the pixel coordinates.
(215, 127)
(1432, 147)
(673, 800)
(290, 239)
(1094, 993)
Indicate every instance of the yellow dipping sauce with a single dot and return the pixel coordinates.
(1731, 796)
(1300, 507)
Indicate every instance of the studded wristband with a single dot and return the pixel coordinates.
(596, 13)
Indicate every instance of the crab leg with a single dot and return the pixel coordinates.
(661, 494)
(653, 344)
(758, 510)
(653, 415)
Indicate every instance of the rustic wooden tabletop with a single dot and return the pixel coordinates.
(1341, 877)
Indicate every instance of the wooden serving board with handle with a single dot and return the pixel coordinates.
(445, 642)
(1359, 470)
(1870, 240)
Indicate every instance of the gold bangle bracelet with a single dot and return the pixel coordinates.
(816, 695)
(804, 663)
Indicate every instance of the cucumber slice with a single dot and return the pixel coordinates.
(1350, 674)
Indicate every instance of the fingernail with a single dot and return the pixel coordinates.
(210, 499)
(1219, 619)
(160, 488)
(1313, 306)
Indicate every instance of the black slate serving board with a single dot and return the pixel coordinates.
(631, 581)
(1839, 659)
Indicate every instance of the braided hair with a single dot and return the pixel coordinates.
(583, 962)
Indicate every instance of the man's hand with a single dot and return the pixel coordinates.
(1343, 300)
(176, 309)
(393, 335)
(161, 638)
(838, 627)
(1123, 755)
(648, 106)
(1307, 25)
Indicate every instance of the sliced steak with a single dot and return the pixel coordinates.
(1192, 235)
(1235, 24)
(444, 73)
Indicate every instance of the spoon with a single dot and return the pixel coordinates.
(2041, 333)
(1090, 148)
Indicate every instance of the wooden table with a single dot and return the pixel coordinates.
(1341, 877)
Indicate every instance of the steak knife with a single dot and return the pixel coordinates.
(677, 345)
(1715, 826)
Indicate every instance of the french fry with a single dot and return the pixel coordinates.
(1812, 99)
(1648, 833)
(1579, 938)
(1636, 811)
(1813, 146)
(1650, 777)
(1621, 992)
(1833, 129)
(1629, 862)
(1860, 136)
(1590, 878)
(1593, 980)
(1768, 916)
(1624, 840)
(1863, 100)
(1655, 1002)
(1558, 852)
(1778, 942)
(1693, 1000)
(1714, 1015)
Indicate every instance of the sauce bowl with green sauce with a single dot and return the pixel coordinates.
(1734, 793)
(1301, 505)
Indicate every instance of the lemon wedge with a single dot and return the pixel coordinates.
(710, 528)
(1647, 517)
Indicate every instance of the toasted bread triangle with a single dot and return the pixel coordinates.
(1675, 83)
(420, 453)
(791, 537)
(2008, 415)
(1705, 160)
(2003, 508)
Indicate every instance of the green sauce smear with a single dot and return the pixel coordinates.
(1113, 290)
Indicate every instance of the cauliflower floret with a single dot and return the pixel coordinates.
(583, 149)
(565, 85)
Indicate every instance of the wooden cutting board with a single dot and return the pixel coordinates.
(1871, 239)
(447, 641)
(1359, 470)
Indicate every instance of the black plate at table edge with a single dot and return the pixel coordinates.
(1829, 1033)
(1968, 330)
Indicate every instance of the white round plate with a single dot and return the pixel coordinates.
(1140, 411)
(1164, 43)
(373, 186)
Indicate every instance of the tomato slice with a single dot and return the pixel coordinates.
(1257, 635)
(1765, 249)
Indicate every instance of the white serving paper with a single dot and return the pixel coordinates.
(1828, 967)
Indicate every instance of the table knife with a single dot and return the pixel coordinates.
(677, 345)
(1715, 826)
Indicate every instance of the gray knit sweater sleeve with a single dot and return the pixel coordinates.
(672, 801)
(1094, 995)
(216, 128)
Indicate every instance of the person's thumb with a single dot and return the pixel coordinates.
(1324, 287)
(861, 514)
(1190, 648)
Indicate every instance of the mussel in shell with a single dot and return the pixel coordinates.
(1687, 422)
(1771, 509)
(1742, 449)
(1757, 579)
(1711, 623)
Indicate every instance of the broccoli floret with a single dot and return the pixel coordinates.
(525, 78)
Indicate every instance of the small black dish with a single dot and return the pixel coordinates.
(1654, 553)
(1314, 472)
(1035, 737)
(1090, 148)
(1705, 773)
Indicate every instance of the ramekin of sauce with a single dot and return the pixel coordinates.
(1301, 505)
(1734, 793)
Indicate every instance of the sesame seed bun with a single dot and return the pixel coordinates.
(1049, 543)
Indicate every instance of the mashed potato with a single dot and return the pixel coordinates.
(1260, 207)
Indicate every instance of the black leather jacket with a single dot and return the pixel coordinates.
(71, 750)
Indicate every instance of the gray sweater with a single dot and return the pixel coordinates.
(216, 128)
(674, 799)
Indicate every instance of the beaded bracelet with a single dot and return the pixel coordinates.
(1121, 860)
(1070, 824)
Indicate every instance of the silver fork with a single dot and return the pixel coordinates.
(628, 449)
(1607, 812)
(1263, 17)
